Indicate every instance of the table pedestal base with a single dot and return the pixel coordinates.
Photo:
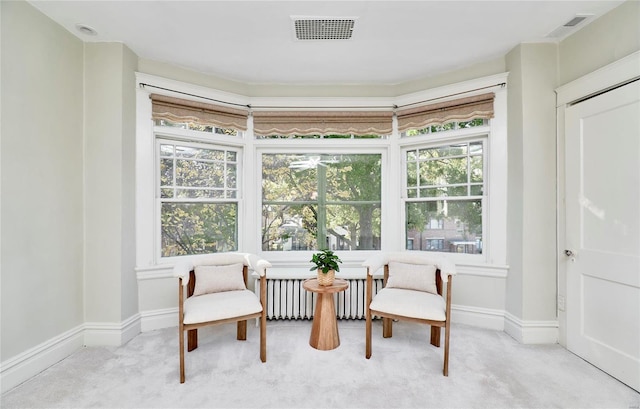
(324, 332)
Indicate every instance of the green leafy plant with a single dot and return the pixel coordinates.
(325, 260)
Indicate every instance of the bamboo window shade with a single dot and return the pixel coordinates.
(268, 123)
(464, 109)
(200, 113)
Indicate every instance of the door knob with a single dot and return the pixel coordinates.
(568, 253)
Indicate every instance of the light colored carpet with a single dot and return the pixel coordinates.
(487, 369)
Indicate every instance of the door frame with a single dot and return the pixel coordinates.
(606, 78)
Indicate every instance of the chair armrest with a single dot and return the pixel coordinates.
(182, 268)
(374, 263)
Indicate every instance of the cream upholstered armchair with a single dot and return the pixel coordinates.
(412, 291)
(213, 290)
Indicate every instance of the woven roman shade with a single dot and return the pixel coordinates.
(465, 109)
(182, 110)
(267, 123)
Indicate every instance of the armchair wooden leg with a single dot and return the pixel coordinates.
(263, 337)
(242, 330)
(192, 339)
(181, 342)
(367, 352)
(435, 336)
(447, 329)
(387, 327)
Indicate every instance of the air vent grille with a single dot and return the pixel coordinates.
(324, 29)
(575, 21)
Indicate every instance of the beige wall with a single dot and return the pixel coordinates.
(482, 69)
(109, 95)
(531, 285)
(41, 191)
(607, 39)
(67, 210)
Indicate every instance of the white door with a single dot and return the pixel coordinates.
(602, 190)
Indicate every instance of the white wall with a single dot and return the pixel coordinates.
(41, 191)
(110, 286)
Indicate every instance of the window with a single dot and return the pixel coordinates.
(444, 196)
(197, 127)
(446, 127)
(198, 196)
(319, 200)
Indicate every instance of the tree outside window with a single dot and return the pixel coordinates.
(444, 190)
(318, 200)
(198, 198)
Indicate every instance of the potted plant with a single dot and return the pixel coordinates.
(326, 262)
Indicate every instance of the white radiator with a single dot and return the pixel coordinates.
(286, 299)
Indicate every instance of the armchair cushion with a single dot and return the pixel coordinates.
(219, 306)
(214, 279)
(410, 303)
(419, 277)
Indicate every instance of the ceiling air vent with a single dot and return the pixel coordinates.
(569, 27)
(323, 28)
(575, 21)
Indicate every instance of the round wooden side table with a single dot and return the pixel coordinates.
(324, 331)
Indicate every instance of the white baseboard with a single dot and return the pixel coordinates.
(158, 319)
(111, 333)
(478, 317)
(22, 367)
(531, 332)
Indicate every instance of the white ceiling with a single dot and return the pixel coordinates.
(254, 42)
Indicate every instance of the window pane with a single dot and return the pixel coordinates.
(200, 193)
(166, 172)
(231, 176)
(412, 174)
(288, 227)
(476, 190)
(199, 153)
(475, 165)
(353, 227)
(196, 127)
(288, 178)
(194, 228)
(166, 150)
(166, 193)
(199, 174)
(334, 201)
(443, 171)
(461, 222)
